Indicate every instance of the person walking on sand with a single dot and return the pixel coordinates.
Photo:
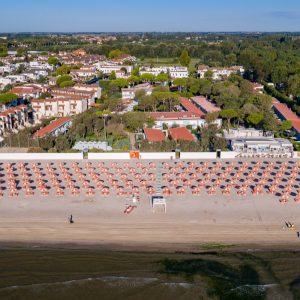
(71, 219)
(298, 234)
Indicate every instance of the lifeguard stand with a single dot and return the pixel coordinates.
(159, 200)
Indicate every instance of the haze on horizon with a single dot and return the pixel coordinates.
(157, 15)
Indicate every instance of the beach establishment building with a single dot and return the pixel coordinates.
(262, 147)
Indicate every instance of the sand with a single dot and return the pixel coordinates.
(190, 221)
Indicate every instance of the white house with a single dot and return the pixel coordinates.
(129, 93)
(219, 73)
(175, 72)
(108, 68)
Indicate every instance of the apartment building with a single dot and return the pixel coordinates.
(14, 118)
(219, 73)
(59, 107)
(175, 72)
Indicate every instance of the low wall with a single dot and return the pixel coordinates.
(157, 155)
(108, 156)
(41, 156)
(228, 155)
(198, 155)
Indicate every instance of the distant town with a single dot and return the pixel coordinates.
(94, 93)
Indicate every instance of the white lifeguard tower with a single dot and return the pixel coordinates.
(159, 200)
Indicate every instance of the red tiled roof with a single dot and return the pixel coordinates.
(296, 125)
(73, 98)
(12, 110)
(25, 89)
(181, 134)
(205, 104)
(154, 135)
(283, 109)
(190, 107)
(51, 127)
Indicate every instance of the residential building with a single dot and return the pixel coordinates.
(175, 72)
(89, 93)
(129, 93)
(79, 52)
(181, 134)
(284, 113)
(154, 135)
(55, 128)
(205, 105)
(84, 73)
(219, 73)
(59, 107)
(14, 118)
(189, 116)
(27, 92)
(121, 70)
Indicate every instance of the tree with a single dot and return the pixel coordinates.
(7, 98)
(286, 125)
(133, 79)
(228, 114)
(114, 54)
(134, 120)
(181, 83)
(162, 77)
(211, 117)
(147, 77)
(208, 75)
(205, 87)
(7, 88)
(62, 79)
(67, 83)
(255, 118)
(63, 70)
(53, 61)
(120, 82)
(184, 58)
(294, 85)
(112, 75)
(140, 93)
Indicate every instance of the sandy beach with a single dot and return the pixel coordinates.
(256, 221)
(190, 221)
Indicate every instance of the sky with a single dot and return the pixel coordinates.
(149, 15)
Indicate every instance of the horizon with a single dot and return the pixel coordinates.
(157, 16)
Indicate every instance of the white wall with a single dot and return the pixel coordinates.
(107, 156)
(157, 155)
(41, 156)
(198, 155)
(228, 155)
